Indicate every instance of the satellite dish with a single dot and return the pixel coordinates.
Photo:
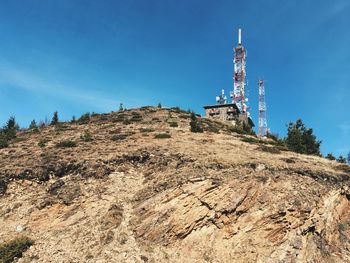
(217, 98)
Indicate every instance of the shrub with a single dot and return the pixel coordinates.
(272, 136)
(341, 159)
(84, 119)
(195, 125)
(86, 136)
(269, 149)
(14, 249)
(119, 137)
(251, 140)
(330, 156)
(173, 124)
(66, 144)
(146, 130)
(136, 117)
(3, 140)
(162, 136)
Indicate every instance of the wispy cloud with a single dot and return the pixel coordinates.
(31, 82)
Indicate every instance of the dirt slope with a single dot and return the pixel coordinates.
(127, 196)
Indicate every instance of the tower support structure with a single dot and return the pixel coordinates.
(239, 76)
(263, 130)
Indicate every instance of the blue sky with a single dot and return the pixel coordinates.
(75, 56)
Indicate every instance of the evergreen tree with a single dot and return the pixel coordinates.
(11, 128)
(54, 118)
(195, 125)
(121, 108)
(301, 139)
(341, 159)
(159, 105)
(348, 159)
(33, 125)
(330, 156)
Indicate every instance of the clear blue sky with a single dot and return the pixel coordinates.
(77, 56)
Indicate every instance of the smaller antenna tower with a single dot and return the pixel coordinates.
(262, 110)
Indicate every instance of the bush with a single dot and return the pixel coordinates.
(146, 130)
(86, 136)
(84, 119)
(3, 140)
(66, 144)
(269, 149)
(173, 124)
(330, 156)
(195, 125)
(14, 249)
(162, 136)
(341, 159)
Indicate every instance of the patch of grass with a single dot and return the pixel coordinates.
(126, 122)
(146, 130)
(136, 118)
(43, 142)
(184, 116)
(162, 136)
(116, 131)
(173, 124)
(344, 168)
(86, 136)
(155, 119)
(269, 149)
(119, 137)
(14, 249)
(253, 140)
(66, 144)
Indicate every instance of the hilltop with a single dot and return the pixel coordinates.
(138, 186)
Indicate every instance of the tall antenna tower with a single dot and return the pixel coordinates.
(239, 74)
(262, 110)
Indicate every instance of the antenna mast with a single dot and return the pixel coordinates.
(262, 110)
(239, 74)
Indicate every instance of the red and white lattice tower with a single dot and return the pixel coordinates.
(262, 110)
(239, 75)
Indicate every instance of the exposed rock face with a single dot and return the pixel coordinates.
(190, 198)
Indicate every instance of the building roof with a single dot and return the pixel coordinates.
(221, 106)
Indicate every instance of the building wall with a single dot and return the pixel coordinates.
(222, 113)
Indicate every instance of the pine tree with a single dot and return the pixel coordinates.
(11, 128)
(348, 159)
(33, 125)
(159, 105)
(121, 108)
(54, 118)
(301, 139)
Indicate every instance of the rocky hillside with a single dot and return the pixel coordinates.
(138, 186)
